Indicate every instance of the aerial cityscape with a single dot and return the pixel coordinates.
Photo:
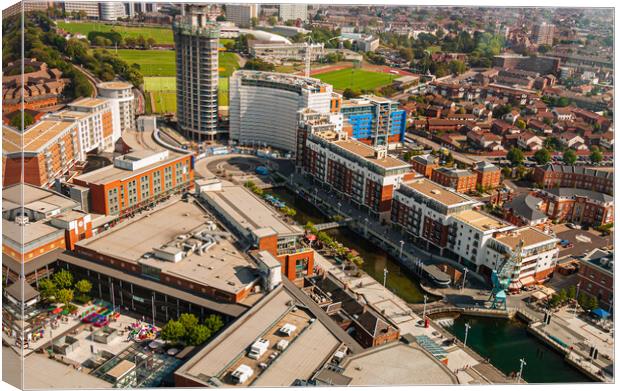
(275, 195)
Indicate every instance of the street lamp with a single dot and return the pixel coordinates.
(523, 363)
(424, 309)
(402, 243)
(467, 327)
(464, 277)
(576, 300)
(385, 273)
(365, 225)
(339, 205)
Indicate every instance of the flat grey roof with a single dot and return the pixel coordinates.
(301, 359)
(218, 354)
(32, 196)
(396, 364)
(112, 173)
(230, 309)
(222, 266)
(249, 211)
(24, 234)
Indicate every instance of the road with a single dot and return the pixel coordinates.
(460, 157)
(90, 77)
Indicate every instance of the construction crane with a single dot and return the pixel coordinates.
(308, 55)
(502, 276)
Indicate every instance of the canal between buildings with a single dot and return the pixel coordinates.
(503, 341)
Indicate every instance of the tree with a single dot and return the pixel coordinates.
(220, 18)
(592, 303)
(63, 279)
(16, 121)
(150, 42)
(214, 323)
(173, 331)
(130, 42)
(515, 155)
(254, 22)
(520, 124)
(83, 286)
(256, 64)
(542, 156)
(272, 20)
(569, 157)
(189, 321)
(563, 295)
(596, 156)
(572, 292)
(349, 93)
(197, 335)
(64, 296)
(457, 67)
(506, 172)
(47, 288)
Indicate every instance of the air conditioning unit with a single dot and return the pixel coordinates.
(21, 220)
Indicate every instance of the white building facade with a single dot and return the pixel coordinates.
(263, 106)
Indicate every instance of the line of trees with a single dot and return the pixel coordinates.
(188, 330)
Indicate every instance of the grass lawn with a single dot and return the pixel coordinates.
(227, 63)
(162, 62)
(356, 79)
(288, 68)
(152, 62)
(160, 34)
(165, 102)
(164, 92)
(160, 83)
(222, 93)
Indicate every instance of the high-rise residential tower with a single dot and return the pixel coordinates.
(196, 40)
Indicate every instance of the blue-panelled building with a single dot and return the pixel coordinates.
(374, 120)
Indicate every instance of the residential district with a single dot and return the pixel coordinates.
(241, 195)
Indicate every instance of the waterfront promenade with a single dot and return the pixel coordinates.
(398, 311)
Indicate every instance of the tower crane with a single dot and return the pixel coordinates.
(502, 276)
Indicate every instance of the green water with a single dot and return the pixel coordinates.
(505, 342)
(399, 280)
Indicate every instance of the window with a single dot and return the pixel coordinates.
(301, 266)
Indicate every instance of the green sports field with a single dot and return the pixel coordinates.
(164, 92)
(165, 102)
(159, 34)
(356, 79)
(160, 83)
(162, 62)
(152, 62)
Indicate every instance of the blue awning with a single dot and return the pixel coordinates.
(601, 313)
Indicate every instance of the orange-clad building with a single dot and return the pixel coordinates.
(37, 222)
(45, 151)
(137, 180)
(488, 175)
(463, 181)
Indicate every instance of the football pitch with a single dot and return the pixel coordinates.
(162, 62)
(163, 90)
(356, 79)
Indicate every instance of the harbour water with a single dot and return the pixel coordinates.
(399, 280)
(503, 341)
(506, 341)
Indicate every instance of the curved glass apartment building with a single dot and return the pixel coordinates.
(196, 40)
(264, 105)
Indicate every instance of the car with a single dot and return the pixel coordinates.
(573, 226)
